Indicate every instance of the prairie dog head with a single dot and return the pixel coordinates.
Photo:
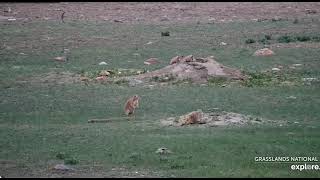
(136, 99)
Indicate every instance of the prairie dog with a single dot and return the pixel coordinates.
(131, 104)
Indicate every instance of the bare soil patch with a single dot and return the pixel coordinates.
(213, 119)
(159, 12)
(196, 70)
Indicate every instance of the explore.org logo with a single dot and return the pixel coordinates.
(302, 162)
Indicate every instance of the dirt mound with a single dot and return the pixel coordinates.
(263, 52)
(212, 119)
(197, 70)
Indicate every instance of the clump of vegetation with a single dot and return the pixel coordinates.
(286, 39)
(302, 38)
(264, 41)
(121, 81)
(217, 80)
(165, 78)
(257, 79)
(67, 159)
(250, 41)
(295, 21)
(267, 37)
(71, 161)
(166, 33)
(316, 38)
(61, 155)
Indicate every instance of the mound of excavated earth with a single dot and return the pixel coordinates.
(191, 68)
(213, 119)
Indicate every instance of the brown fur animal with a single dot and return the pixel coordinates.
(175, 60)
(131, 104)
(191, 118)
(187, 59)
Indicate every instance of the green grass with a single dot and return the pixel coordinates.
(45, 123)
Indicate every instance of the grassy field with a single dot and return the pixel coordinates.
(43, 124)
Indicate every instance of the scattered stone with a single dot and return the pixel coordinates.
(103, 63)
(264, 52)
(16, 67)
(163, 150)
(12, 19)
(275, 69)
(149, 42)
(296, 65)
(223, 43)
(291, 97)
(151, 61)
(62, 167)
(309, 79)
(61, 58)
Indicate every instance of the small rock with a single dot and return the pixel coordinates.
(151, 61)
(16, 67)
(291, 97)
(149, 42)
(60, 58)
(296, 64)
(223, 43)
(309, 79)
(12, 19)
(103, 63)
(275, 69)
(62, 167)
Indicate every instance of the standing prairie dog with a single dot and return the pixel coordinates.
(131, 104)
